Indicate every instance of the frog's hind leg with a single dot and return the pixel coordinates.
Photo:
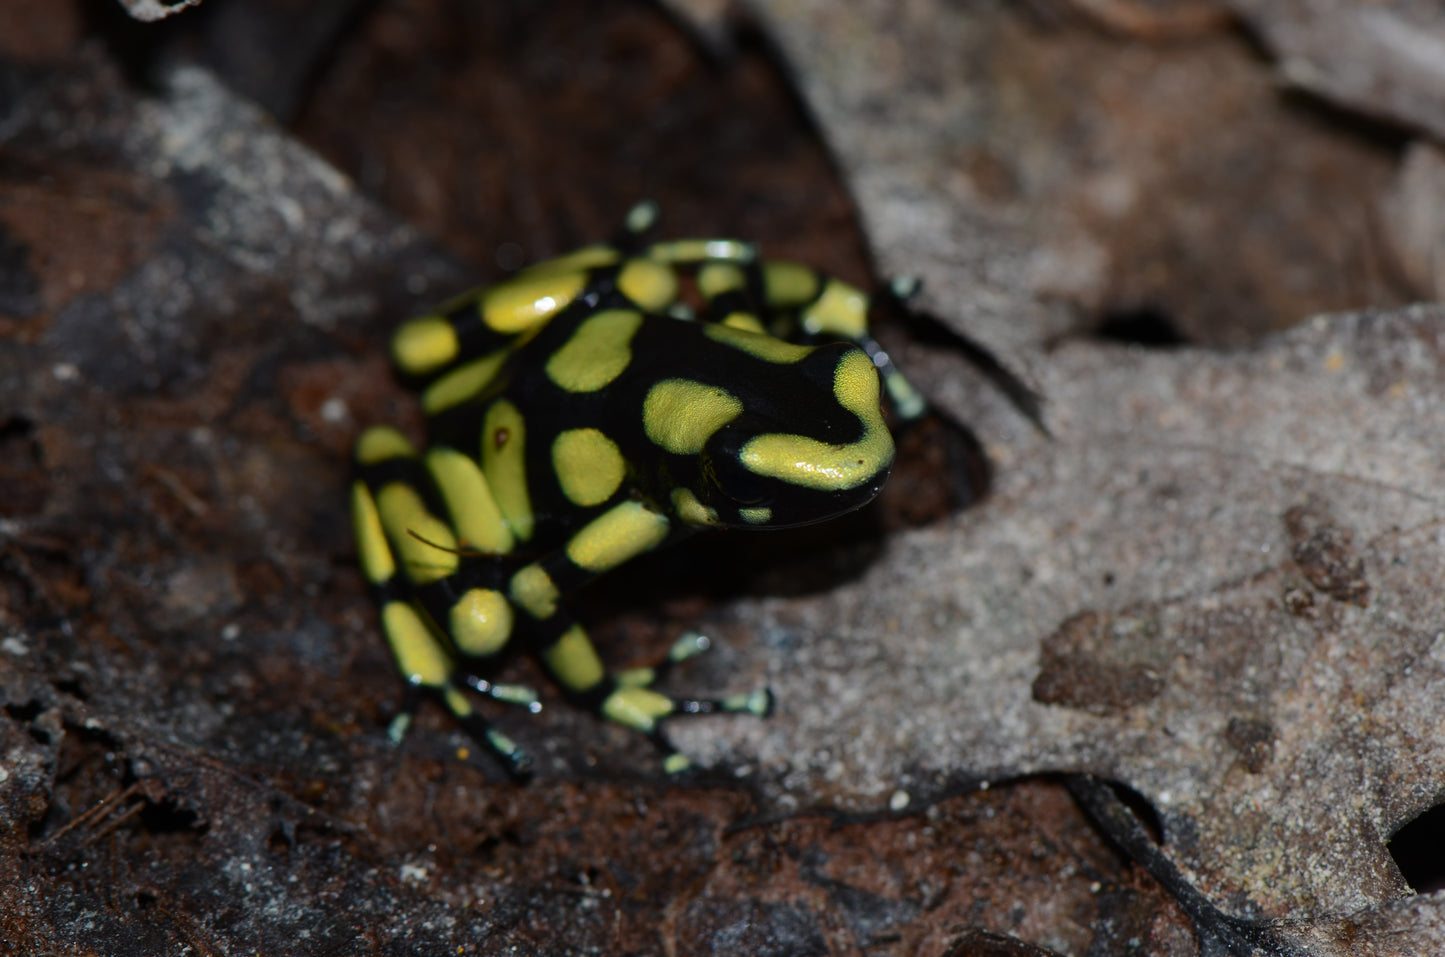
(689, 645)
(628, 697)
(421, 655)
(407, 552)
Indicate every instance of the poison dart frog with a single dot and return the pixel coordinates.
(580, 414)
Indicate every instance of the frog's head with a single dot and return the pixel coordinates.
(790, 449)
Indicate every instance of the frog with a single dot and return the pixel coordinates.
(584, 412)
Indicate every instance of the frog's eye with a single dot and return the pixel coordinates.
(723, 465)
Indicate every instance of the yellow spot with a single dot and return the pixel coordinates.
(481, 622)
(702, 250)
(756, 343)
(424, 542)
(1335, 361)
(714, 279)
(806, 462)
(618, 534)
(841, 311)
(573, 660)
(597, 352)
(745, 321)
(588, 464)
(579, 260)
(504, 463)
(649, 284)
(423, 345)
(529, 299)
(381, 442)
(756, 516)
(475, 514)
(637, 708)
(680, 415)
(676, 763)
(787, 285)
(377, 562)
(690, 510)
(419, 656)
(463, 382)
(533, 589)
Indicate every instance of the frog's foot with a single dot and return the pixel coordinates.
(512, 755)
(634, 703)
(689, 645)
(758, 702)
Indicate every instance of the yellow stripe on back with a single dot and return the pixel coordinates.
(589, 466)
(580, 260)
(504, 463)
(529, 299)
(424, 344)
(680, 415)
(597, 352)
(702, 250)
(756, 343)
(463, 382)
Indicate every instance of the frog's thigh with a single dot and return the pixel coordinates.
(617, 535)
(609, 540)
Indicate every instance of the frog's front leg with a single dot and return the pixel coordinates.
(618, 535)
